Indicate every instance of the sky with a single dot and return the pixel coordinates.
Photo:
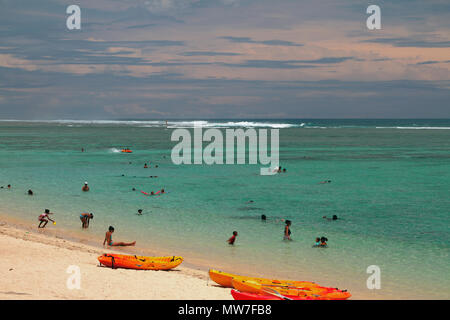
(224, 59)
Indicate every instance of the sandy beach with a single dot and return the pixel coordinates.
(34, 266)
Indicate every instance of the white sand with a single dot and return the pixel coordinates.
(34, 266)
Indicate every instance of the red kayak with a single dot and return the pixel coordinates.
(238, 295)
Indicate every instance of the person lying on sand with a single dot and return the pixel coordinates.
(44, 218)
(85, 217)
(108, 239)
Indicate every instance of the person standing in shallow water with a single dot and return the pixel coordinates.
(287, 230)
(85, 217)
(233, 238)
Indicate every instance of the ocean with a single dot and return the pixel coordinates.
(390, 187)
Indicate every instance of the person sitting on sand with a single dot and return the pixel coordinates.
(287, 230)
(233, 238)
(108, 239)
(323, 242)
(30, 192)
(85, 187)
(44, 218)
(85, 217)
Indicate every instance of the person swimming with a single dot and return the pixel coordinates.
(233, 238)
(145, 166)
(323, 242)
(108, 239)
(140, 212)
(317, 242)
(331, 219)
(287, 230)
(30, 192)
(85, 217)
(263, 217)
(85, 188)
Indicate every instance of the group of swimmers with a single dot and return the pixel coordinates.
(146, 166)
(320, 242)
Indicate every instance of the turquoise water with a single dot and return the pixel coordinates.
(390, 187)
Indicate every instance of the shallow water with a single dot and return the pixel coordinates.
(390, 187)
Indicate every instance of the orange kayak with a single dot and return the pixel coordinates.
(237, 295)
(307, 292)
(225, 280)
(139, 262)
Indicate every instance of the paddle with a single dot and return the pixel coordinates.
(275, 293)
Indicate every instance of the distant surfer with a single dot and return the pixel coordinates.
(44, 218)
(233, 238)
(85, 188)
(331, 219)
(108, 239)
(325, 181)
(85, 217)
(287, 230)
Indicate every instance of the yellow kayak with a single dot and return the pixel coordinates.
(307, 292)
(225, 280)
(139, 262)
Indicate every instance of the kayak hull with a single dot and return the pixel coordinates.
(139, 262)
(307, 293)
(225, 280)
(237, 295)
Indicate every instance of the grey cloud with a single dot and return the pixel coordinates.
(265, 42)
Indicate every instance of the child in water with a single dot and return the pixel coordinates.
(287, 230)
(44, 218)
(233, 238)
(323, 242)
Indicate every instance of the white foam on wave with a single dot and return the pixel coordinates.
(416, 128)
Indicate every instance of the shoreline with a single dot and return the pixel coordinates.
(27, 239)
(37, 267)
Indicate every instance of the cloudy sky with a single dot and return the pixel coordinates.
(200, 59)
